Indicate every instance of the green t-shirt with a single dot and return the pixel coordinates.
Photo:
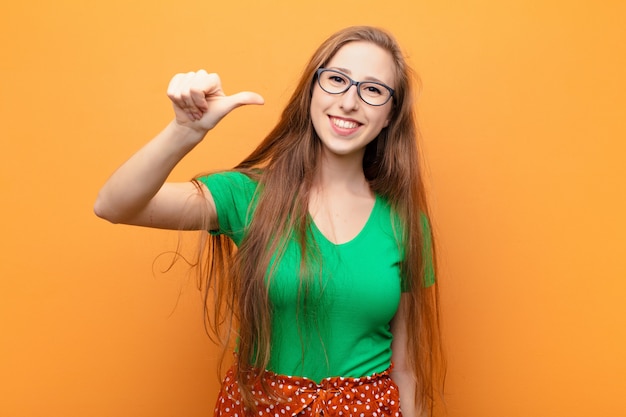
(344, 330)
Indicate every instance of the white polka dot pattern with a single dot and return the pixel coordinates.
(372, 396)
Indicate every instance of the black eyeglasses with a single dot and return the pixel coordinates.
(336, 82)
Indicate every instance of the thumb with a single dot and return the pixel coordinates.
(243, 98)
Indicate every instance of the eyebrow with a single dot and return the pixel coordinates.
(348, 72)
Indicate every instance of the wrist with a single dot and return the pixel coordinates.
(181, 137)
(188, 131)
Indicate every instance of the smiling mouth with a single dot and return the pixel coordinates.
(344, 124)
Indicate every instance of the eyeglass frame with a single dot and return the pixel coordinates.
(357, 83)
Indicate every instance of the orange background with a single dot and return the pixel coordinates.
(524, 122)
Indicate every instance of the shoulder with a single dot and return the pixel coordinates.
(228, 179)
(235, 195)
(230, 185)
(386, 208)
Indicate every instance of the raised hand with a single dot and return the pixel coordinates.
(199, 101)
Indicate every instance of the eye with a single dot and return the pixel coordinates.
(372, 90)
(336, 79)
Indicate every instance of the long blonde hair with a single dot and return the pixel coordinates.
(284, 163)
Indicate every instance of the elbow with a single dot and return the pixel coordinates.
(104, 211)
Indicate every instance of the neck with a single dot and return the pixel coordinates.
(341, 172)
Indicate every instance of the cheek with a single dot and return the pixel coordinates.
(388, 115)
(320, 103)
(316, 110)
(318, 99)
(383, 117)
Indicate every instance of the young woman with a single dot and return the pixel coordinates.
(330, 292)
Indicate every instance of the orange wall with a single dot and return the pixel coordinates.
(523, 113)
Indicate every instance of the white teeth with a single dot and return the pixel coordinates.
(345, 124)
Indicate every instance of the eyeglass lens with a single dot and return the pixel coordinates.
(335, 82)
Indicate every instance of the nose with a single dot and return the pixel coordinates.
(350, 99)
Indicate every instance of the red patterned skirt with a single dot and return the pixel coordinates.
(371, 396)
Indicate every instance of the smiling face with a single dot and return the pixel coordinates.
(344, 123)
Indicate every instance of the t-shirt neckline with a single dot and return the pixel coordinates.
(318, 233)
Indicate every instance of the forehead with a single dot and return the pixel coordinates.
(364, 61)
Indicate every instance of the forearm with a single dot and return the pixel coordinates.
(403, 373)
(406, 385)
(135, 183)
(137, 194)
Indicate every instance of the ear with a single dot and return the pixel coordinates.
(390, 115)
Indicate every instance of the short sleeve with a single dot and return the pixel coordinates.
(234, 195)
(427, 252)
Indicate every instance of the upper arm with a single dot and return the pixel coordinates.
(179, 206)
